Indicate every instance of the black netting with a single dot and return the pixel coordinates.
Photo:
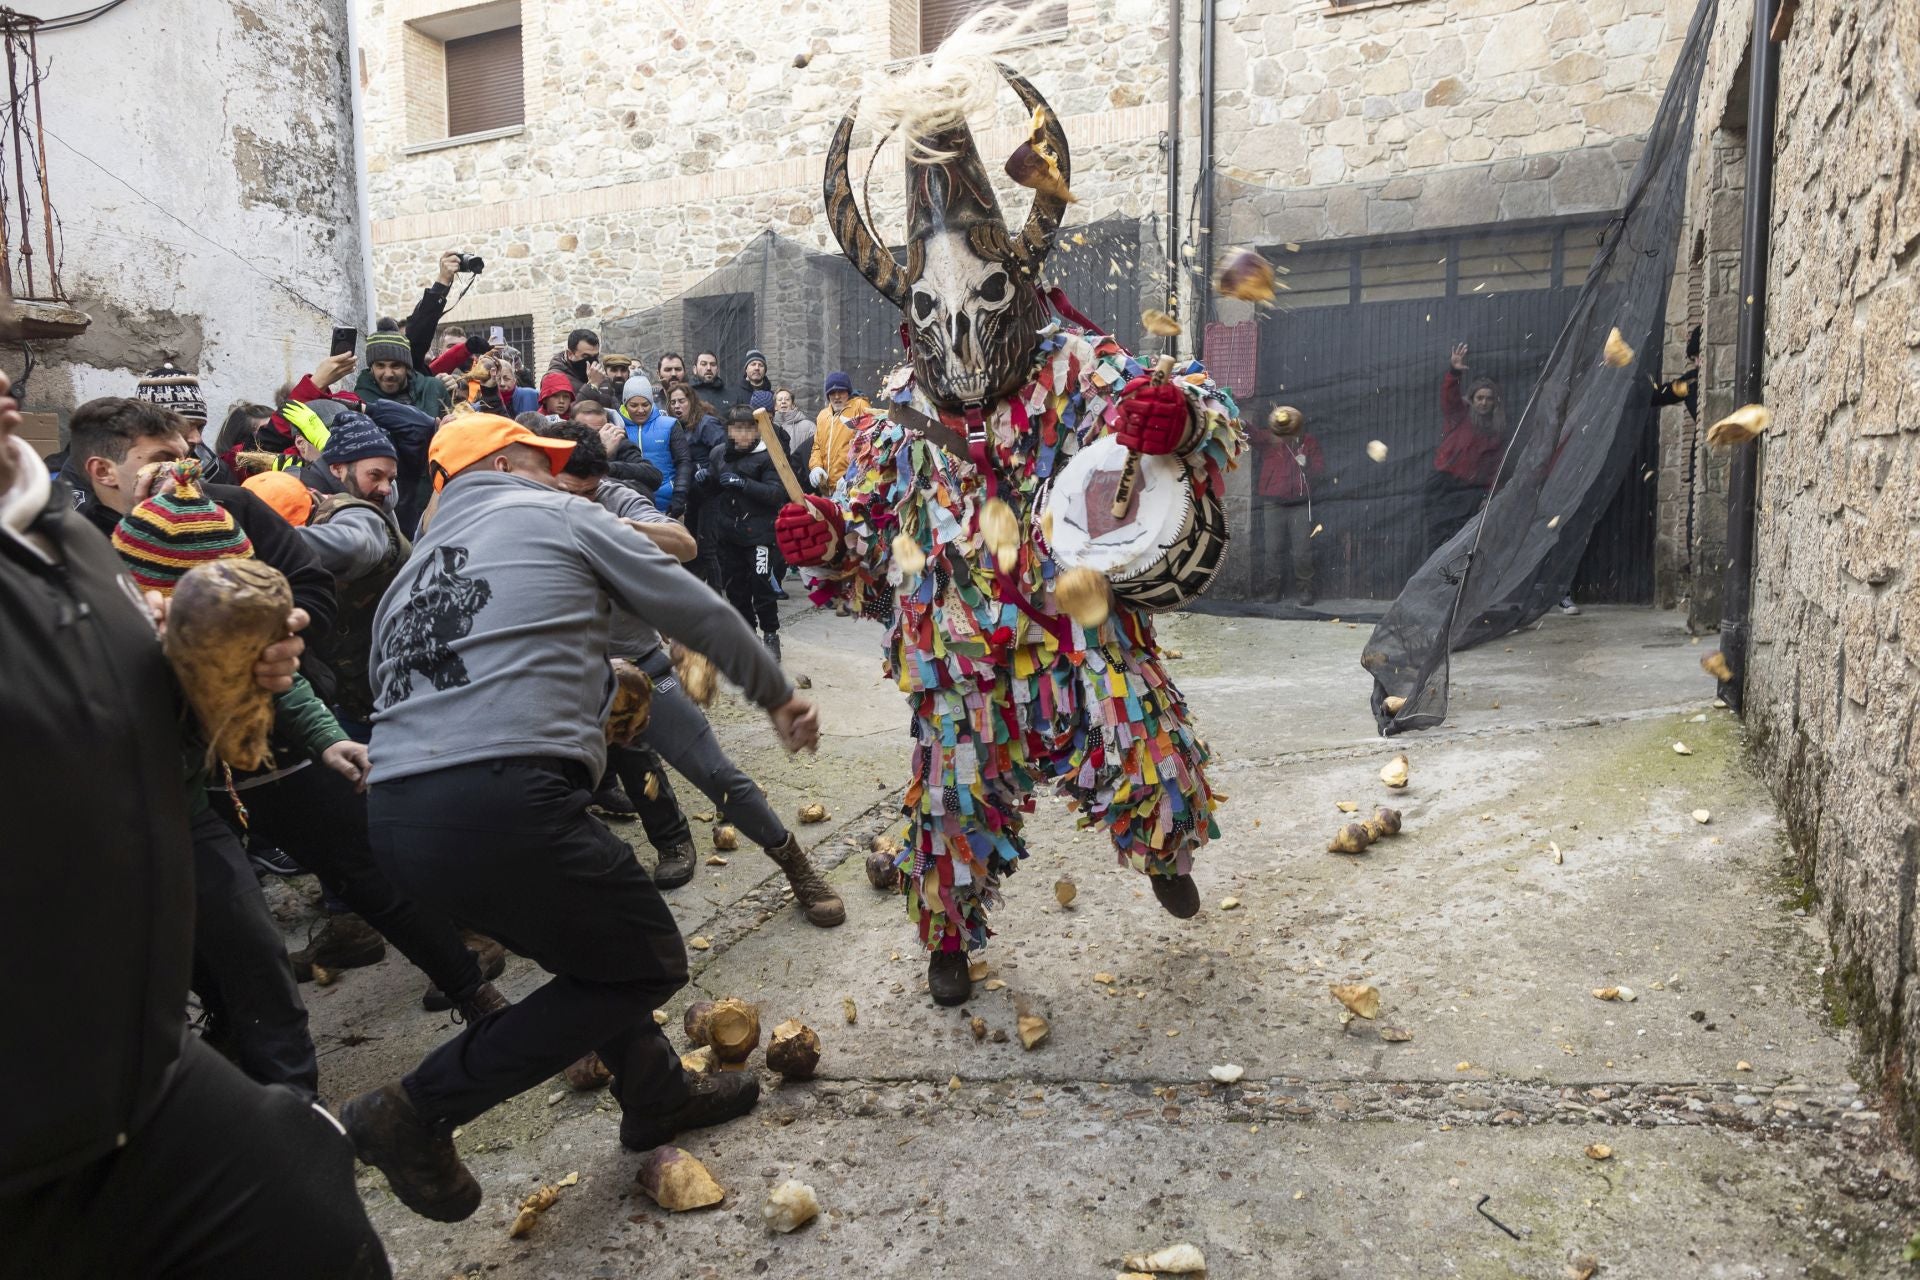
(811, 313)
(1572, 446)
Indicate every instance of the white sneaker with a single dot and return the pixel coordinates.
(1568, 607)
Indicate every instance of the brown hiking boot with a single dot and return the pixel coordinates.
(492, 959)
(486, 999)
(344, 942)
(676, 865)
(820, 903)
(422, 1168)
(710, 1100)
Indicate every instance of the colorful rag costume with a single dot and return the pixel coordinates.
(1007, 692)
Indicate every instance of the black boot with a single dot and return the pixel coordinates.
(610, 801)
(710, 1100)
(676, 865)
(772, 641)
(948, 977)
(422, 1168)
(1178, 894)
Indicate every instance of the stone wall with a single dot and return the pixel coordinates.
(652, 154)
(1832, 699)
(206, 195)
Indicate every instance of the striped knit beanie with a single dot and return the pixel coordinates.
(170, 533)
(388, 344)
(173, 389)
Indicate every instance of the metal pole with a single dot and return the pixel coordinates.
(1749, 387)
(1173, 165)
(1203, 252)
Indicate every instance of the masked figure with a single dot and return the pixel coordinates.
(938, 530)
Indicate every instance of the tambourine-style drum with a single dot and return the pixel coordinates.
(1162, 552)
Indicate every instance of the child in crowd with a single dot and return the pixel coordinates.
(739, 479)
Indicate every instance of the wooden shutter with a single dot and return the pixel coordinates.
(484, 82)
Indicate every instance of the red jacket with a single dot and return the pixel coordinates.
(1465, 453)
(1285, 478)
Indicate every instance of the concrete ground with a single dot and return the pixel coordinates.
(1550, 849)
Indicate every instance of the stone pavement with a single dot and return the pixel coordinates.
(1549, 849)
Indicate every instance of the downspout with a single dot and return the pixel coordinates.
(1173, 165)
(362, 205)
(1749, 386)
(1203, 251)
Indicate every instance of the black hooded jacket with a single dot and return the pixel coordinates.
(101, 872)
(743, 513)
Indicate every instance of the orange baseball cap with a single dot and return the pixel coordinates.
(464, 441)
(283, 491)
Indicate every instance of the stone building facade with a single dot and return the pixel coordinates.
(206, 198)
(655, 148)
(1831, 693)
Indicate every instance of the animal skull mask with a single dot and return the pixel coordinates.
(970, 289)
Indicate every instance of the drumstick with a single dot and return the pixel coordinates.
(781, 463)
(1123, 492)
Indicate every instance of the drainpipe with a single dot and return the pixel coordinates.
(1736, 620)
(1203, 251)
(362, 204)
(1173, 165)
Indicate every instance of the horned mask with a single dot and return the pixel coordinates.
(970, 288)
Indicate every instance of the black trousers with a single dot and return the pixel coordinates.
(227, 1178)
(1449, 503)
(317, 816)
(746, 571)
(508, 847)
(660, 815)
(240, 965)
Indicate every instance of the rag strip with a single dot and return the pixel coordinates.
(1007, 691)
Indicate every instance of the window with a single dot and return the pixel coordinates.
(463, 74)
(1446, 264)
(484, 82)
(936, 20)
(518, 332)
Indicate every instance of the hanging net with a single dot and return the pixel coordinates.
(811, 313)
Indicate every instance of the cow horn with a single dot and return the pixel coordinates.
(1036, 238)
(868, 255)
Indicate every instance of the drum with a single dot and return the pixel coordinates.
(1159, 555)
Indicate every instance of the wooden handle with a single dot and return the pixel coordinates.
(781, 462)
(1130, 474)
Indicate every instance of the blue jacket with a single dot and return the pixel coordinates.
(656, 439)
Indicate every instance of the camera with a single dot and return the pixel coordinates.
(471, 262)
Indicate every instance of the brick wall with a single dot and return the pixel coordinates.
(1832, 700)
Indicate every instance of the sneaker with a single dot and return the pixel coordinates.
(772, 641)
(1306, 599)
(423, 1168)
(270, 860)
(948, 978)
(710, 1100)
(779, 592)
(1178, 894)
(676, 865)
(344, 942)
(1568, 607)
(610, 801)
(820, 904)
(488, 954)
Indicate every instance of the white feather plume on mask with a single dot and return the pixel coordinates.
(957, 80)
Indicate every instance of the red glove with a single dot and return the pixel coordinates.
(805, 540)
(1153, 418)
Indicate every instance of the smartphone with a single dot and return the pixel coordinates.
(343, 341)
(496, 336)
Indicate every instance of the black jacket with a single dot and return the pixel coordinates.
(275, 542)
(715, 393)
(100, 865)
(628, 464)
(743, 513)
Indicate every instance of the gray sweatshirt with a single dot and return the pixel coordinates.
(350, 545)
(493, 639)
